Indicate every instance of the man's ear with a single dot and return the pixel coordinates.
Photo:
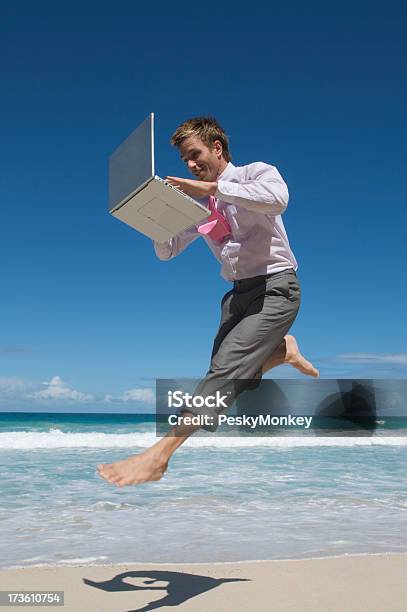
(217, 145)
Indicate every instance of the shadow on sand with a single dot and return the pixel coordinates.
(181, 586)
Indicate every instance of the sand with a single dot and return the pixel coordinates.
(332, 584)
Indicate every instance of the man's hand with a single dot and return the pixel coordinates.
(195, 189)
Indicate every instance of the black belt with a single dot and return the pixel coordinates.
(254, 280)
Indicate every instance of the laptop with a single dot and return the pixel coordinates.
(143, 200)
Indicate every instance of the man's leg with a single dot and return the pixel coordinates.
(152, 463)
(288, 353)
(269, 309)
(269, 327)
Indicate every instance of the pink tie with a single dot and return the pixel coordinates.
(216, 225)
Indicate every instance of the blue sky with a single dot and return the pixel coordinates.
(90, 316)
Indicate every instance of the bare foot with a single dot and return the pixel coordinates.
(294, 358)
(288, 352)
(137, 469)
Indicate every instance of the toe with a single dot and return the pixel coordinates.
(110, 475)
(108, 470)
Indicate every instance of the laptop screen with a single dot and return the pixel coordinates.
(132, 163)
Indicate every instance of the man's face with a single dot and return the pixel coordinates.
(204, 163)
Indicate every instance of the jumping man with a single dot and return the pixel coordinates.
(246, 234)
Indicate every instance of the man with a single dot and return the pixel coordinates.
(246, 234)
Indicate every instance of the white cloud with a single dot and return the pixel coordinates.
(140, 394)
(396, 358)
(56, 389)
(13, 386)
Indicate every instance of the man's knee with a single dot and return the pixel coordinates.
(244, 368)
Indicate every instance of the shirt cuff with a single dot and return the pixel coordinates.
(227, 191)
(163, 249)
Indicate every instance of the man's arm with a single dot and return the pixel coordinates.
(264, 190)
(173, 247)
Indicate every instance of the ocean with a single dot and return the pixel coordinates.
(221, 499)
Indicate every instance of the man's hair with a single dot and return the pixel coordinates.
(205, 128)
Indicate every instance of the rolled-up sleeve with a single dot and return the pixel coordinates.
(173, 247)
(264, 190)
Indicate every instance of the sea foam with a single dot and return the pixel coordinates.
(55, 438)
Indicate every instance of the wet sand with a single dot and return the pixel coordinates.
(377, 583)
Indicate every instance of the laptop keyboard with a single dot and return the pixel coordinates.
(176, 189)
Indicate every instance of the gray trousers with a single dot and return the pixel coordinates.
(256, 315)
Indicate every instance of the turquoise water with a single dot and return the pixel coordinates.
(222, 499)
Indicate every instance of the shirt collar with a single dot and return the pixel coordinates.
(227, 173)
